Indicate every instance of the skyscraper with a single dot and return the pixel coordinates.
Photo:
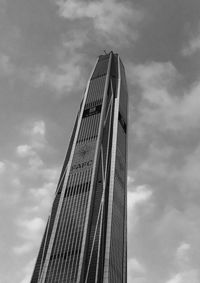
(86, 234)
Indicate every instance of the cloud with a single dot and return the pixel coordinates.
(30, 228)
(39, 128)
(153, 75)
(115, 20)
(135, 266)
(66, 78)
(16, 182)
(37, 202)
(156, 162)
(166, 133)
(163, 105)
(24, 150)
(175, 279)
(43, 196)
(51, 174)
(33, 167)
(72, 41)
(11, 187)
(36, 133)
(186, 270)
(29, 231)
(176, 233)
(22, 249)
(67, 74)
(171, 228)
(136, 271)
(6, 67)
(193, 45)
(184, 277)
(34, 161)
(27, 271)
(188, 174)
(182, 254)
(2, 167)
(111, 22)
(130, 179)
(139, 196)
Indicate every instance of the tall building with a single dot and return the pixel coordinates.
(86, 234)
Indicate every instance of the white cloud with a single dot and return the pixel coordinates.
(10, 192)
(130, 180)
(187, 175)
(72, 41)
(193, 45)
(27, 271)
(175, 279)
(2, 167)
(51, 174)
(43, 196)
(65, 78)
(159, 75)
(34, 161)
(169, 230)
(30, 228)
(39, 128)
(34, 167)
(6, 67)
(136, 271)
(157, 162)
(185, 277)
(36, 131)
(134, 266)
(68, 73)
(22, 249)
(163, 106)
(16, 182)
(139, 196)
(24, 150)
(182, 255)
(155, 79)
(113, 18)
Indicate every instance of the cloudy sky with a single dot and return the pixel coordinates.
(47, 50)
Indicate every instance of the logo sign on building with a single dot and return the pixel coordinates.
(83, 157)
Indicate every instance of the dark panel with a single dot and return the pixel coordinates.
(114, 66)
(89, 127)
(101, 67)
(95, 92)
(123, 95)
(118, 226)
(93, 238)
(122, 122)
(92, 111)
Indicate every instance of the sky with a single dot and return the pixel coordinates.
(47, 51)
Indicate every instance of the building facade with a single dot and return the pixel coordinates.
(86, 234)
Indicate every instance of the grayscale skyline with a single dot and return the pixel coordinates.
(47, 50)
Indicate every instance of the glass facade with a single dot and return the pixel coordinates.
(85, 237)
